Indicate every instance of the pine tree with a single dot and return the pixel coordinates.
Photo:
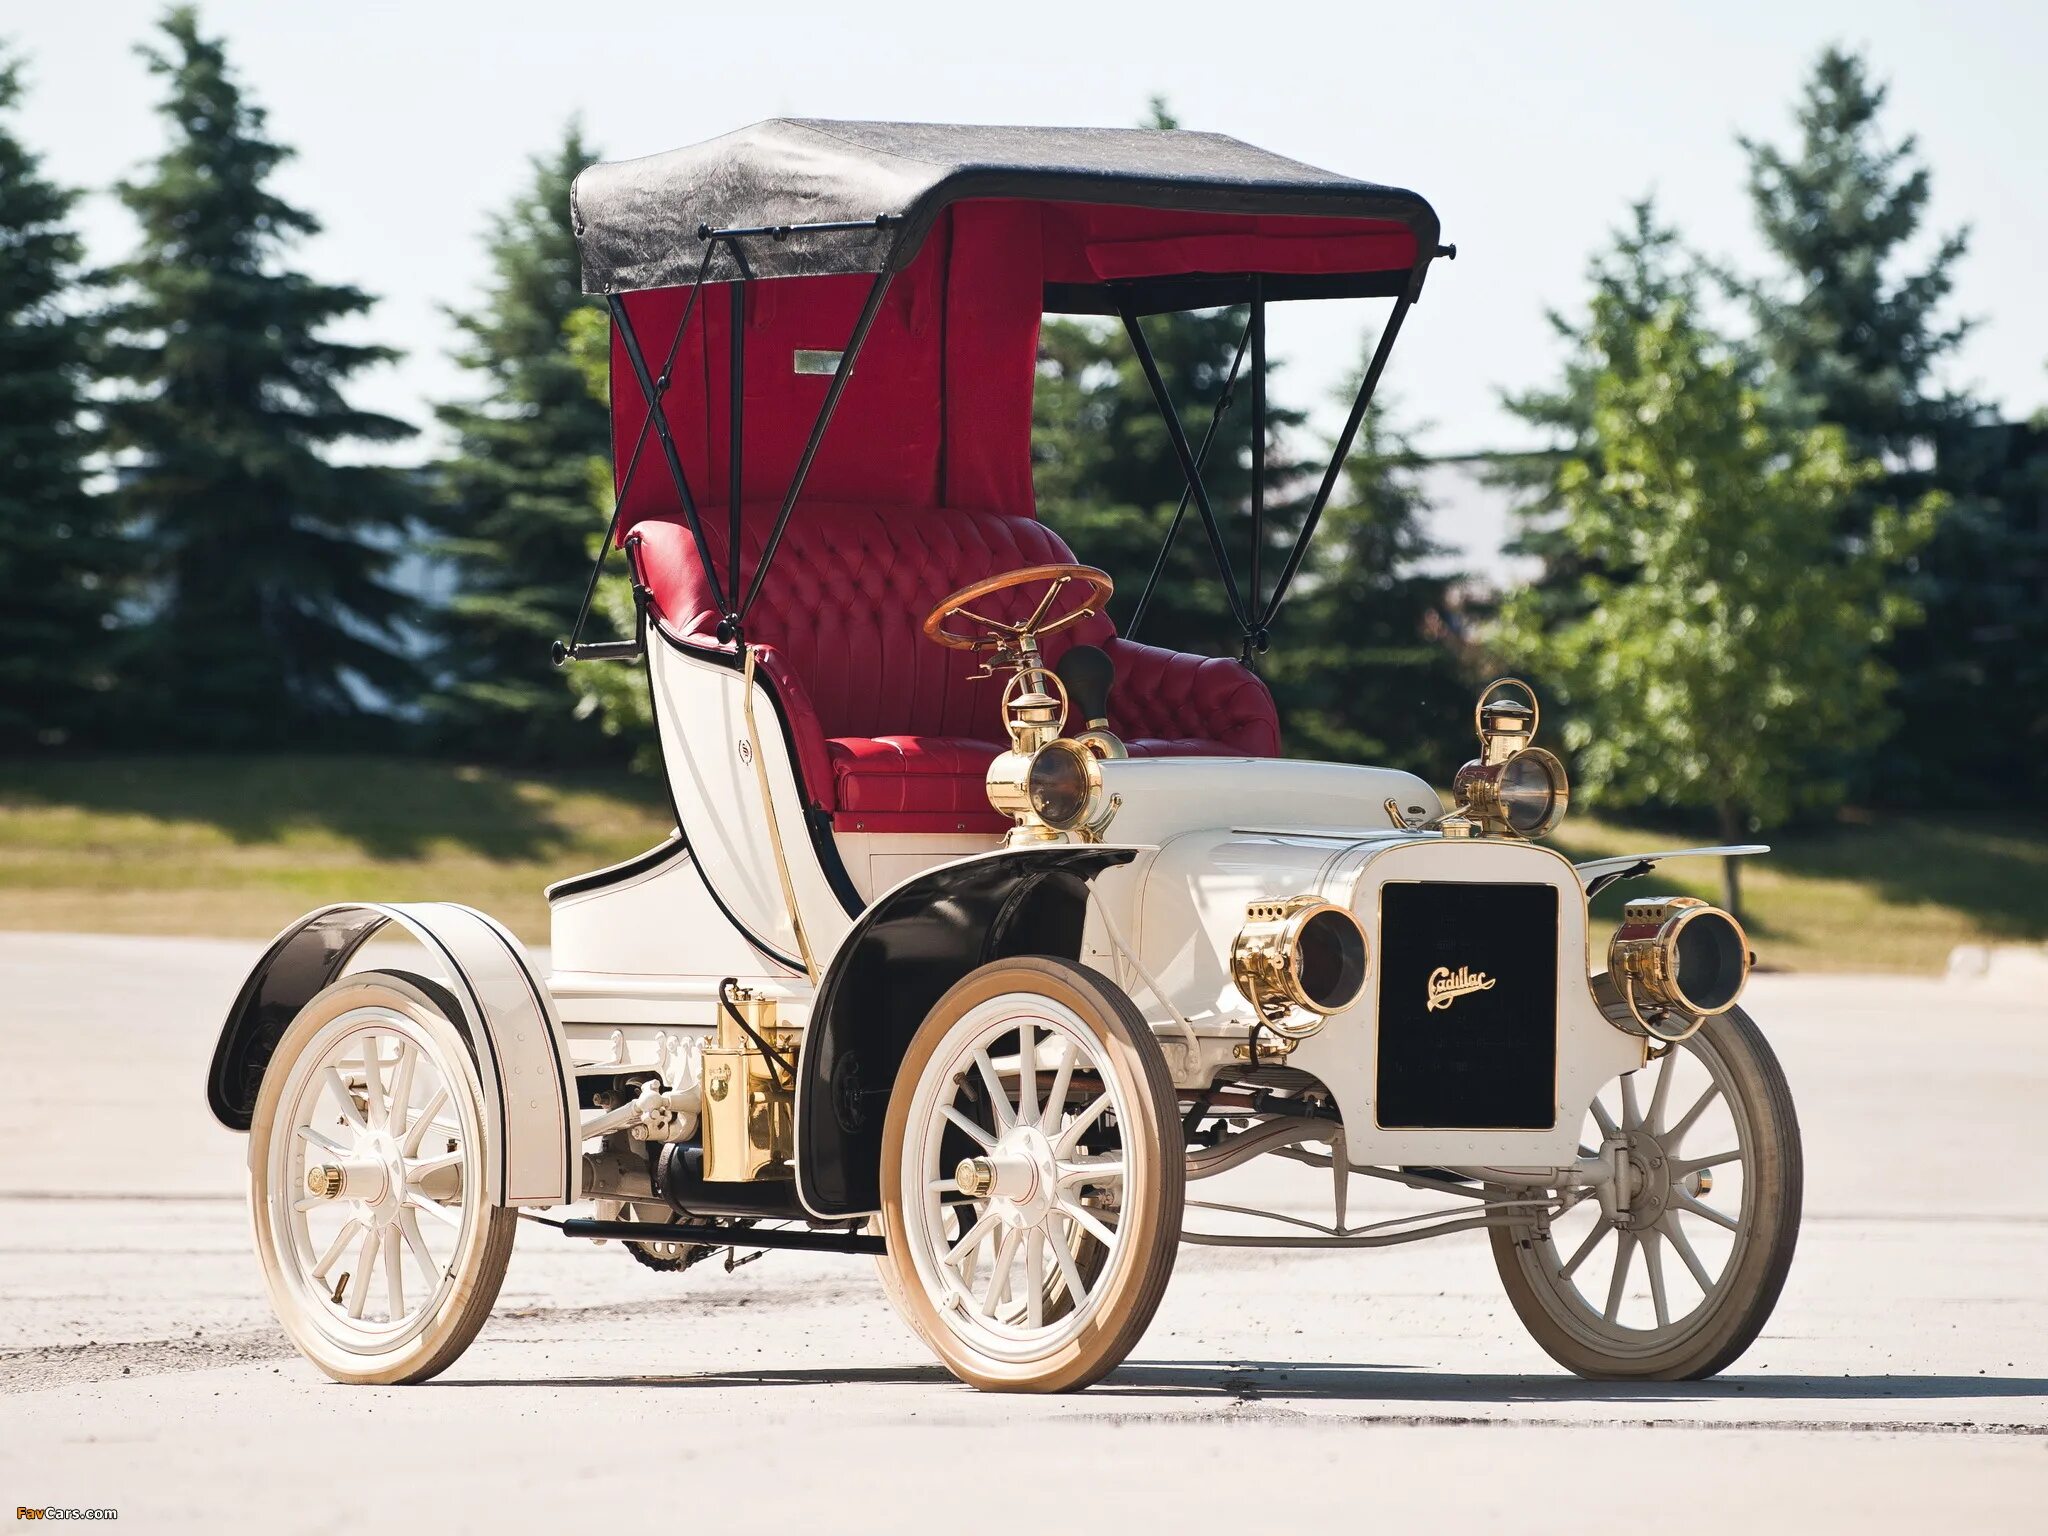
(1854, 340)
(273, 620)
(61, 555)
(1859, 335)
(515, 499)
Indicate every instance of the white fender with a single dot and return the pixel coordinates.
(522, 1054)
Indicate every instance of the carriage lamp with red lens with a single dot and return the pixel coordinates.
(1513, 788)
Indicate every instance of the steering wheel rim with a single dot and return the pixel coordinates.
(998, 633)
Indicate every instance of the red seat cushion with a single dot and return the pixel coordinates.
(938, 783)
(892, 733)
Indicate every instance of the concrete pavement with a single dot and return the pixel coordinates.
(1903, 1380)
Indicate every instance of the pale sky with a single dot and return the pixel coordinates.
(1528, 126)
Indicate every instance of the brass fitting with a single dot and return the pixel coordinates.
(975, 1177)
(1298, 961)
(325, 1180)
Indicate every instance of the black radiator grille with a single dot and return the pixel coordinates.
(1486, 1056)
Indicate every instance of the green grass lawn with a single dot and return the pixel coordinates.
(239, 846)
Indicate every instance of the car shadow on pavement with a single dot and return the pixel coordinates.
(1273, 1378)
(1249, 1380)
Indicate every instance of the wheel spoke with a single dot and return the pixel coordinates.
(1661, 1094)
(970, 1241)
(999, 1101)
(1034, 1277)
(1062, 1078)
(359, 1278)
(999, 1276)
(415, 1240)
(1027, 1073)
(401, 1085)
(334, 1249)
(1088, 1222)
(420, 1127)
(986, 1142)
(1631, 1116)
(1079, 1125)
(414, 1172)
(1105, 1170)
(1619, 1284)
(323, 1141)
(373, 1080)
(1686, 1121)
(1670, 1228)
(433, 1208)
(1070, 1272)
(1654, 1262)
(1700, 1208)
(1585, 1251)
(1603, 1118)
(349, 1112)
(394, 1279)
(1681, 1166)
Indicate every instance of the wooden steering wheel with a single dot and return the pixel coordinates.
(1002, 636)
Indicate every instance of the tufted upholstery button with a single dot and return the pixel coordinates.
(888, 727)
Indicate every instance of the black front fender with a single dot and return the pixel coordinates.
(899, 959)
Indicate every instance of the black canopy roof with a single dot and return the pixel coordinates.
(637, 222)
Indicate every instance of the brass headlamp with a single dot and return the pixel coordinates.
(1677, 962)
(1513, 788)
(1051, 785)
(1297, 962)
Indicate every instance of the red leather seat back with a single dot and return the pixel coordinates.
(846, 600)
(890, 730)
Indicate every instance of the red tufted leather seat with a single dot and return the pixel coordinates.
(891, 734)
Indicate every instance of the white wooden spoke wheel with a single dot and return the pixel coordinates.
(367, 1154)
(1032, 1169)
(1677, 1283)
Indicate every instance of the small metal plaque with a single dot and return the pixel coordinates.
(811, 360)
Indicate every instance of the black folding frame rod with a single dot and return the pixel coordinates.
(712, 1236)
(648, 387)
(1366, 387)
(861, 326)
(1180, 510)
(573, 649)
(1188, 468)
(1255, 637)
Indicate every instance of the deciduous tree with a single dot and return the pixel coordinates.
(1726, 655)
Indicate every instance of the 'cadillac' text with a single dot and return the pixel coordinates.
(1446, 986)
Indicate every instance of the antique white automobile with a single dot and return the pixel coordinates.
(984, 929)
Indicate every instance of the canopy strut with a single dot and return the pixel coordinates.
(726, 595)
(1191, 471)
(1254, 623)
(1180, 511)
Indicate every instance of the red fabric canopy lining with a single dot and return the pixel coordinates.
(938, 411)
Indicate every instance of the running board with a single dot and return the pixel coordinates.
(710, 1236)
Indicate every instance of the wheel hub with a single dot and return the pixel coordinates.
(1018, 1177)
(371, 1177)
(1649, 1181)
